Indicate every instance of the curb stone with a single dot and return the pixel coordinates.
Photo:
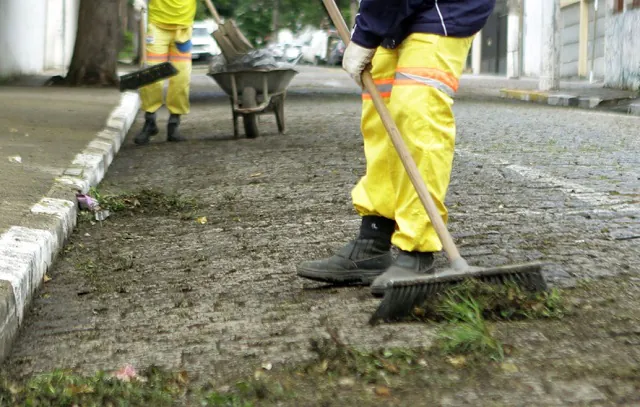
(525, 95)
(27, 253)
(557, 99)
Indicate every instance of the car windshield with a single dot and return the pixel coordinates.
(200, 32)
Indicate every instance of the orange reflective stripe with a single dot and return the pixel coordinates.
(367, 96)
(430, 73)
(385, 81)
(180, 56)
(384, 87)
(151, 56)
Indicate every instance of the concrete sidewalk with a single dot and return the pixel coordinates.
(54, 142)
(580, 94)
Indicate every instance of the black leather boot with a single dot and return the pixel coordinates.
(406, 264)
(173, 132)
(359, 261)
(149, 129)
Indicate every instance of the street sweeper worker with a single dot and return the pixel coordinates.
(416, 50)
(168, 38)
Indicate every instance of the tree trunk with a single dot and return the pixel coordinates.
(123, 15)
(95, 53)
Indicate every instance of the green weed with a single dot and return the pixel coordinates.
(63, 388)
(468, 332)
(148, 201)
(467, 308)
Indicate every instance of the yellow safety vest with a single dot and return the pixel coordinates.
(176, 13)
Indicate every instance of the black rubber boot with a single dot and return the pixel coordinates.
(149, 129)
(407, 264)
(173, 132)
(359, 261)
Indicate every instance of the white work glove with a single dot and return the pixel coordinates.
(139, 5)
(356, 59)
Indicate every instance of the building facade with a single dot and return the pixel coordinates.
(599, 40)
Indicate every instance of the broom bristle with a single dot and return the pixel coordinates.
(146, 76)
(403, 296)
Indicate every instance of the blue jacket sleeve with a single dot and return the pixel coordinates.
(378, 19)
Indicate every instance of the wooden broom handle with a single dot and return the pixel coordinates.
(142, 41)
(214, 12)
(398, 143)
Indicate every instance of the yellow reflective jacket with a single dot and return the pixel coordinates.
(172, 12)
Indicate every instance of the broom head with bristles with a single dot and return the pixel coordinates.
(147, 76)
(404, 294)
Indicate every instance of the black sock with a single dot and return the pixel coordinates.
(377, 228)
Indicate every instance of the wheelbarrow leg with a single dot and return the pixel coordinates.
(236, 134)
(249, 100)
(279, 112)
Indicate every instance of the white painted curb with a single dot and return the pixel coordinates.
(26, 253)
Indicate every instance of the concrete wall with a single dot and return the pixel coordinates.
(532, 38)
(61, 27)
(622, 50)
(22, 36)
(570, 40)
(36, 35)
(600, 26)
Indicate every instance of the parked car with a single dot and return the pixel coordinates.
(336, 53)
(317, 46)
(286, 52)
(204, 46)
(292, 53)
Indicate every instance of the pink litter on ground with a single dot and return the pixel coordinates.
(87, 202)
(127, 373)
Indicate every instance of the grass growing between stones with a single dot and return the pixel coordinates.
(341, 373)
(468, 308)
(466, 350)
(147, 201)
(153, 387)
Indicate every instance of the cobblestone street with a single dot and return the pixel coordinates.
(220, 298)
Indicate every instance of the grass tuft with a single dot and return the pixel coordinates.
(468, 307)
(148, 201)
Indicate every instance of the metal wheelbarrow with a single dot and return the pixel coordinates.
(255, 92)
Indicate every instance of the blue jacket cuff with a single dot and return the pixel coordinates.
(366, 39)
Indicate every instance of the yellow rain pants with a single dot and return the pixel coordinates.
(166, 42)
(417, 80)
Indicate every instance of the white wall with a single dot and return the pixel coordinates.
(600, 26)
(532, 38)
(22, 36)
(61, 27)
(622, 55)
(36, 35)
(570, 40)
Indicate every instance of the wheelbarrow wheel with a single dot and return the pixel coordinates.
(249, 99)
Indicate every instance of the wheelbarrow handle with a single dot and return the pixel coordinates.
(398, 142)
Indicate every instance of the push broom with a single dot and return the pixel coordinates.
(404, 294)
